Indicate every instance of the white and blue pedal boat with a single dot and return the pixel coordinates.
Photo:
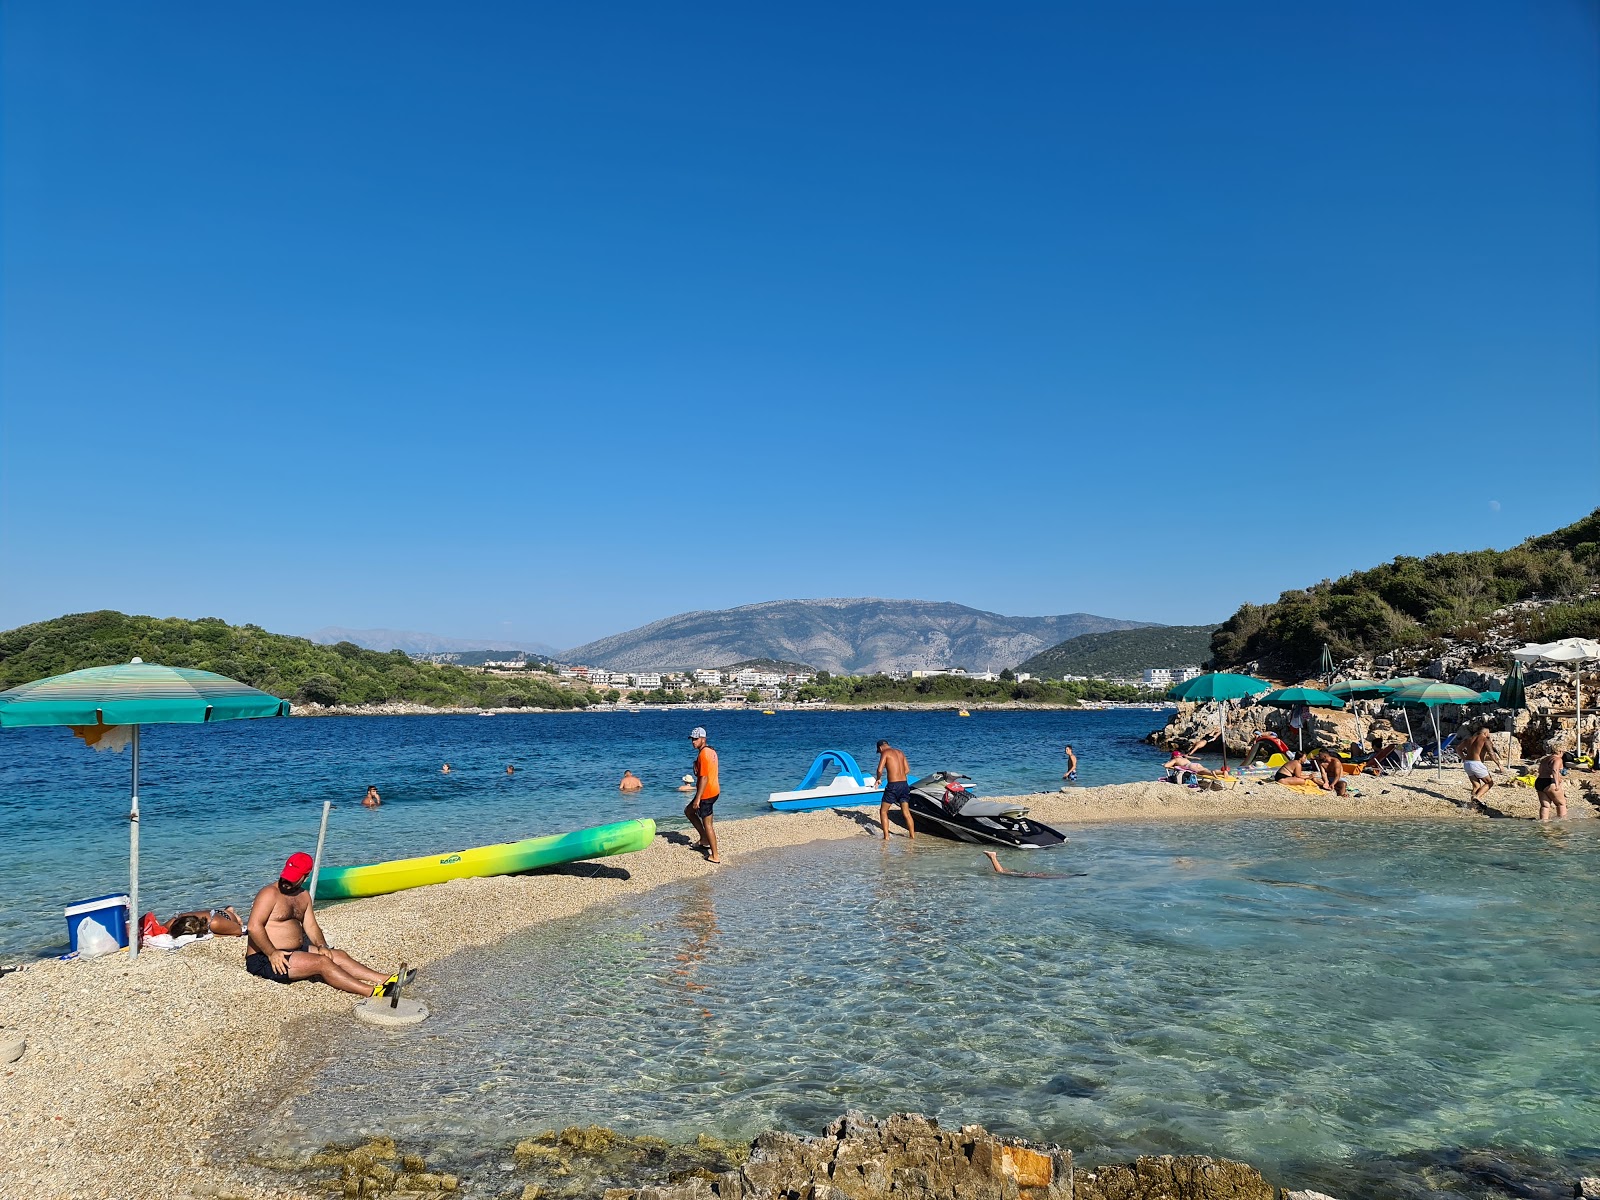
(847, 787)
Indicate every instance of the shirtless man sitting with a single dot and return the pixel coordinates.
(285, 944)
(1332, 771)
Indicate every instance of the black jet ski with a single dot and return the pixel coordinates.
(942, 804)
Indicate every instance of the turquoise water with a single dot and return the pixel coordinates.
(1376, 1009)
(224, 805)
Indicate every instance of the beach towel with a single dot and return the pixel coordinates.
(1301, 785)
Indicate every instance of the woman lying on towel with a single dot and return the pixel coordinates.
(224, 922)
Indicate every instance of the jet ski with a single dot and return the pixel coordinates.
(942, 804)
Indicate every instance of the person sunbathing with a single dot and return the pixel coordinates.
(1294, 771)
(224, 922)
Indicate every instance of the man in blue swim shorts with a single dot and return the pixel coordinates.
(892, 772)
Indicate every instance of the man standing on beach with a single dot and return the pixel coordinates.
(1473, 751)
(892, 772)
(284, 943)
(706, 791)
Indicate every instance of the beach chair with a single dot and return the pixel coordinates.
(1443, 755)
(1410, 756)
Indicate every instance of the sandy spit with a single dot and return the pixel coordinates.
(134, 1070)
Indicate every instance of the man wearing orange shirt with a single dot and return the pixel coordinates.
(706, 791)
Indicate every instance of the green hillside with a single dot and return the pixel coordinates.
(1411, 601)
(1124, 651)
(292, 667)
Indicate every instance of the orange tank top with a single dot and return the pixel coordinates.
(705, 767)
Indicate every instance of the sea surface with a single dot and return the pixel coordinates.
(222, 806)
(1376, 1010)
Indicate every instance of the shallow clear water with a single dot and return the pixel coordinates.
(1336, 1003)
(224, 805)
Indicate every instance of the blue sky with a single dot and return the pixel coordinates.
(507, 320)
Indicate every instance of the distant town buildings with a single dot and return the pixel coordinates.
(1164, 677)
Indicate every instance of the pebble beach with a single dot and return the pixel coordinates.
(135, 1073)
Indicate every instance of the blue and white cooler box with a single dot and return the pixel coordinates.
(110, 911)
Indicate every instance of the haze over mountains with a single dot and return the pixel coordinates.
(413, 642)
(848, 636)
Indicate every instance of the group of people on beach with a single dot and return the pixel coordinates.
(1329, 772)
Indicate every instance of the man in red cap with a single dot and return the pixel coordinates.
(285, 944)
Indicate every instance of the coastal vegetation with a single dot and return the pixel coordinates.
(292, 667)
(951, 689)
(1411, 602)
(1123, 651)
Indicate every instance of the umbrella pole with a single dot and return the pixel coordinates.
(133, 857)
(1438, 745)
(316, 863)
(1223, 721)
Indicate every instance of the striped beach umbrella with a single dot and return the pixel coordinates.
(1432, 694)
(1293, 697)
(1223, 686)
(105, 707)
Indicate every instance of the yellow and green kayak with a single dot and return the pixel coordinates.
(507, 858)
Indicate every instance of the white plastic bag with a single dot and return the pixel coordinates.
(94, 939)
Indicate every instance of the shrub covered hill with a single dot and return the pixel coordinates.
(1123, 651)
(292, 667)
(1411, 602)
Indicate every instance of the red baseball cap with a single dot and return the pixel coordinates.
(297, 868)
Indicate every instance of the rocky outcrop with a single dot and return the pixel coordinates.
(1174, 1177)
(903, 1156)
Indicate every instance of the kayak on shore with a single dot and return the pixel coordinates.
(505, 858)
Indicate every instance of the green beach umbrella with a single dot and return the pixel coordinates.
(1291, 697)
(99, 700)
(1432, 694)
(1362, 689)
(1219, 685)
(1327, 662)
(1513, 696)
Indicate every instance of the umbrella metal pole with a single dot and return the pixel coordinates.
(316, 863)
(1438, 745)
(133, 857)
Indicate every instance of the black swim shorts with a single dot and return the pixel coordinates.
(898, 792)
(706, 804)
(259, 966)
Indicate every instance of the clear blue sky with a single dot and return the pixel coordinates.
(515, 320)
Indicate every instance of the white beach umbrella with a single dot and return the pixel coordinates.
(1568, 650)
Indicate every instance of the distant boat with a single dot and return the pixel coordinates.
(848, 787)
(963, 713)
(486, 714)
(767, 712)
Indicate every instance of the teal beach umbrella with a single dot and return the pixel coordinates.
(97, 700)
(1432, 694)
(1219, 685)
(1513, 696)
(1290, 697)
(1361, 689)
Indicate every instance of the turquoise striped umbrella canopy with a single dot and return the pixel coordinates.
(1219, 685)
(133, 694)
(136, 693)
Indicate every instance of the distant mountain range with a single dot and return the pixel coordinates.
(413, 642)
(853, 636)
(1124, 651)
